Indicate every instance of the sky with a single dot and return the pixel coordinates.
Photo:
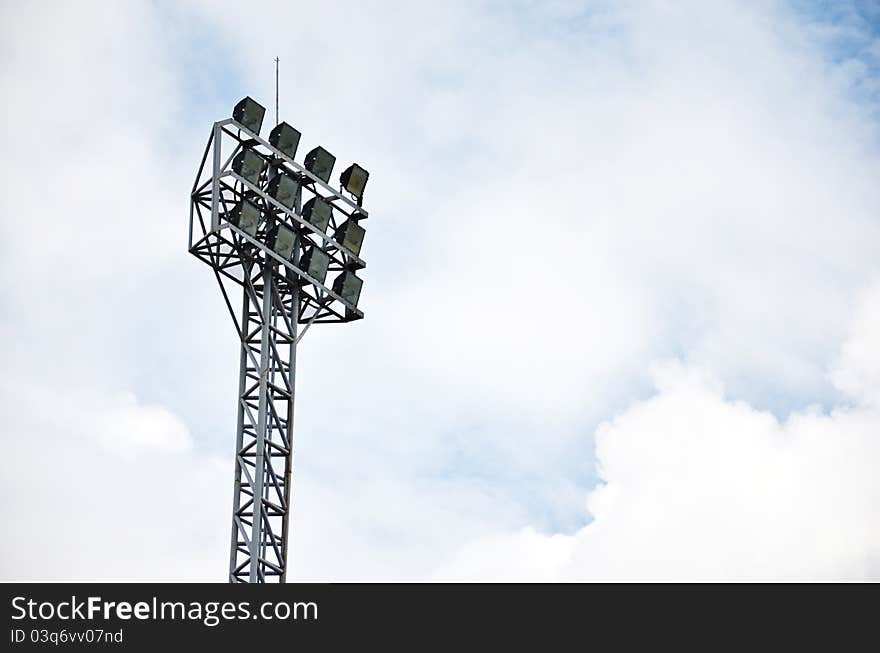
(622, 297)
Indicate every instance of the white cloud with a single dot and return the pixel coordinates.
(120, 424)
(857, 371)
(99, 480)
(692, 181)
(698, 487)
(97, 487)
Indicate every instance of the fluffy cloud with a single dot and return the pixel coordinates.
(857, 372)
(99, 487)
(695, 486)
(562, 194)
(101, 480)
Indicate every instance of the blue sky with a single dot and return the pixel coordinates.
(695, 182)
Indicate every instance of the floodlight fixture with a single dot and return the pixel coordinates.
(315, 263)
(320, 163)
(318, 211)
(351, 236)
(249, 165)
(246, 217)
(283, 241)
(348, 286)
(249, 114)
(285, 138)
(354, 180)
(283, 188)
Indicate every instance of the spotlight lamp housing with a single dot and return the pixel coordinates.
(315, 263)
(320, 163)
(351, 236)
(285, 138)
(354, 180)
(246, 217)
(348, 286)
(249, 165)
(249, 114)
(283, 241)
(318, 212)
(284, 189)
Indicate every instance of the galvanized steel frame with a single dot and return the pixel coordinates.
(277, 296)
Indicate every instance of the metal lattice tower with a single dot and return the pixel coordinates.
(247, 221)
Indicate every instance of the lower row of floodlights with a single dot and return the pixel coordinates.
(284, 189)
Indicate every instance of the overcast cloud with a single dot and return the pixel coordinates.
(622, 297)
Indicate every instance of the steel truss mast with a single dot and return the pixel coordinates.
(273, 302)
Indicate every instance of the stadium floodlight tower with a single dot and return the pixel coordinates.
(248, 220)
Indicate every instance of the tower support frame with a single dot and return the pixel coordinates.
(277, 297)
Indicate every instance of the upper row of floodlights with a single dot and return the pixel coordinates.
(249, 113)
